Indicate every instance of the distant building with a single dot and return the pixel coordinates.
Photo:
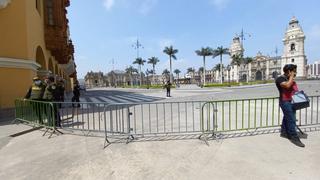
(95, 79)
(313, 70)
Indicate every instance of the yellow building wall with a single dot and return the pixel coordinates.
(21, 33)
(14, 84)
(13, 33)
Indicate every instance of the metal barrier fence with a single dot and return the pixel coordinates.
(37, 113)
(130, 119)
(163, 118)
(245, 114)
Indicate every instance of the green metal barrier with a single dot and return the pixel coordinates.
(36, 113)
(246, 114)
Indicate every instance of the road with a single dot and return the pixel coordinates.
(120, 95)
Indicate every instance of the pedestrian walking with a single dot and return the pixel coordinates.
(287, 87)
(168, 88)
(76, 94)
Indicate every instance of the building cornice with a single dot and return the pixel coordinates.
(19, 63)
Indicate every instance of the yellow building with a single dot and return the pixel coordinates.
(34, 40)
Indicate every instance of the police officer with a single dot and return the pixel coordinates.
(35, 93)
(59, 95)
(36, 90)
(50, 94)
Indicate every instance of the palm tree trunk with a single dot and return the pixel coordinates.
(248, 73)
(238, 74)
(204, 70)
(153, 74)
(221, 69)
(131, 80)
(140, 75)
(170, 78)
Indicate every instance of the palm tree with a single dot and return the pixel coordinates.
(130, 70)
(237, 60)
(177, 72)
(190, 69)
(204, 52)
(200, 70)
(140, 62)
(219, 52)
(153, 61)
(246, 62)
(217, 67)
(166, 73)
(171, 53)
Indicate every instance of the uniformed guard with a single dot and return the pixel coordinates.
(36, 90)
(50, 95)
(35, 93)
(59, 95)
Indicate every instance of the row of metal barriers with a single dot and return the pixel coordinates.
(130, 120)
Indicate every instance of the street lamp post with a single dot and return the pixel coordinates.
(229, 68)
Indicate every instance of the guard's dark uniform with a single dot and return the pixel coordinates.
(76, 95)
(50, 94)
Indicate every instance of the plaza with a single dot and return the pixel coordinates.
(245, 155)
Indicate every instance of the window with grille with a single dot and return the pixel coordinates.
(50, 12)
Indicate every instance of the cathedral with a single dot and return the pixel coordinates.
(265, 67)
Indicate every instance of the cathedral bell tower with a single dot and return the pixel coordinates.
(293, 51)
(236, 47)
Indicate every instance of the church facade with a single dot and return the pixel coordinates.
(264, 67)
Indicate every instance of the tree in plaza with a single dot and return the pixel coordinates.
(130, 70)
(147, 74)
(246, 62)
(219, 52)
(166, 73)
(204, 52)
(190, 69)
(171, 53)
(140, 62)
(153, 61)
(200, 70)
(217, 67)
(177, 72)
(237, 60)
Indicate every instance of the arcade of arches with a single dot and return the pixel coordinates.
(33, 47)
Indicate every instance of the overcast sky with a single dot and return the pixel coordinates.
(103, 30)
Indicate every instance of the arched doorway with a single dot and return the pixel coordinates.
(274, 74)
(244, 77)
(258, 75)
(40, 59)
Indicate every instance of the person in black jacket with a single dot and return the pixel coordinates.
(76, 94)
(168, 87)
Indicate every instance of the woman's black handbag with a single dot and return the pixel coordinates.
(300, 100)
